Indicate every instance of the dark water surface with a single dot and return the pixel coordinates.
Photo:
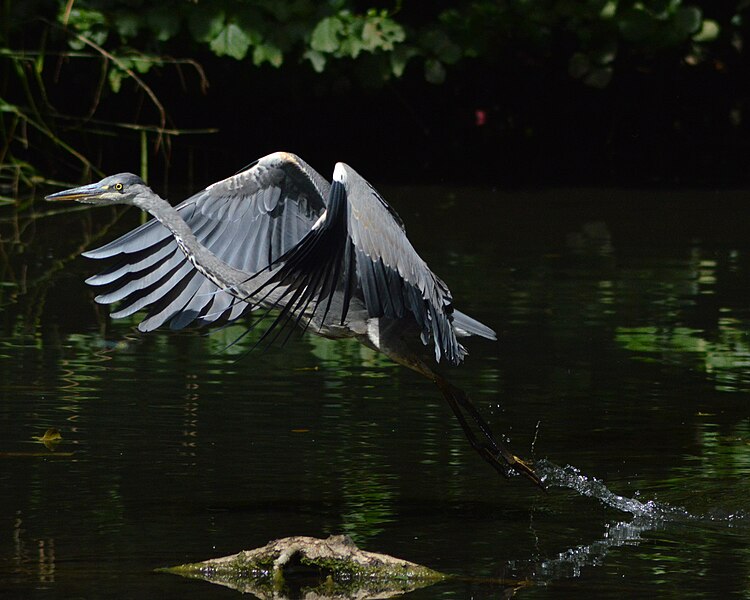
(623, 357)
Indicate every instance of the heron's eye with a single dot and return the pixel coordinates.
(118, 187)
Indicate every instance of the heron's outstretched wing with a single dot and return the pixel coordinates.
(248, 220)
(359, 247)
(393, 277)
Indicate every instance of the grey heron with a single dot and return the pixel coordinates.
(333, 257)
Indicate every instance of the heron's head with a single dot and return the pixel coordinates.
(123, 188)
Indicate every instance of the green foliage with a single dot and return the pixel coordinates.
(347, 34)
(635, 29)
(595, 32)
(90, 23)
(232, 40)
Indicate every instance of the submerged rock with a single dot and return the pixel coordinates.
(310, 568)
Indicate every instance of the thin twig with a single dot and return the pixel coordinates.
(68, 10)
(146, 88)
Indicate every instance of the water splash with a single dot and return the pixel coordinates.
(651, 511)
(647, 517)
(569, 477)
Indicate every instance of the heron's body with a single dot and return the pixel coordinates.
(333, 258)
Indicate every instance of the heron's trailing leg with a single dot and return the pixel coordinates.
(489, 448)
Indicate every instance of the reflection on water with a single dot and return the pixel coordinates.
(367, 503)
(648, 517)
(624, 324)
(725, 358)
(37, 561)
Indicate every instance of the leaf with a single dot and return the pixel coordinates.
(606, 54)
(578, 65)
(98, 36)
(164, 21)
(317, 59)
(127, 24)
(442, 46)
(50, 439)
(661, 8)
(82, 19)
(371, 38)
(434, 71)
(206, 23)
(267, 53)
(51, 435)
(598, 77)
(608, 10)
(76, 44)
(400, 56)
(709, 31)
(392, 33)
(350, 46)
(115, 77)
(231, 41)
(636, 25)
(380, 32)
(325, 36)
(142, 65)
(687, 20)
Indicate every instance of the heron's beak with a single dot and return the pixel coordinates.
(85, 193)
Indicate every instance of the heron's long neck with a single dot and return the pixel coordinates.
(225, 276)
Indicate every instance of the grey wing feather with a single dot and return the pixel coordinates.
(248, 220)
(360, 248)
(399, 280)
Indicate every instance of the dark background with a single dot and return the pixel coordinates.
(511, 110)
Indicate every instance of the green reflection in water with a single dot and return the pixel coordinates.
(725, 358)
(86, 364)
(368, 502)
(344, 354)
(724, 453)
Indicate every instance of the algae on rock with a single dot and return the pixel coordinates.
(307, 567)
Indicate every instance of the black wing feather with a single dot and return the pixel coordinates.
(360, 230)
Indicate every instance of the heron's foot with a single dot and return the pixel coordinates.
(506, 463)
(521, 467)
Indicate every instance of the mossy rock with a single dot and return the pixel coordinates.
(307, 567)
